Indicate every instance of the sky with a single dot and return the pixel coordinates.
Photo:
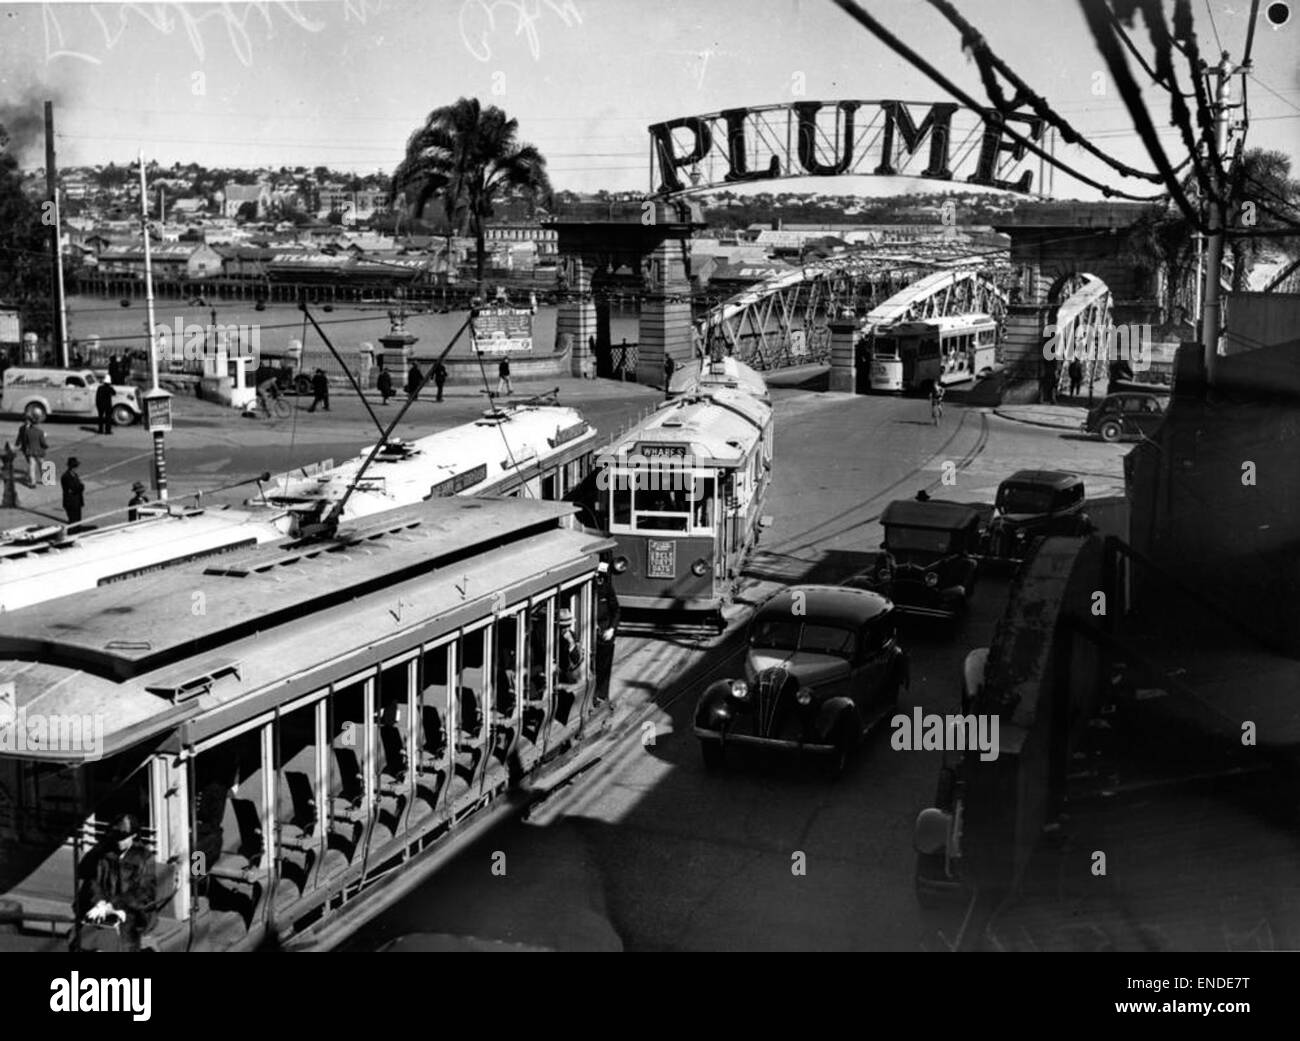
(342, 83)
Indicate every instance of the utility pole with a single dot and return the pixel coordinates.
(56, 268)
(1211, 313)
(157, 402)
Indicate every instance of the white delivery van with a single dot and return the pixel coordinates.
(41, 392)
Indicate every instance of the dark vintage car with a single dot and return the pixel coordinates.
(928, 562)
(824, 666)
(937, 835)
(1127, 414)
(1033, 503)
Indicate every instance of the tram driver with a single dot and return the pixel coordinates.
(119, 888)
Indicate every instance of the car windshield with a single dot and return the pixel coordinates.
(780, 634)
(1021, 499)
(917, 540)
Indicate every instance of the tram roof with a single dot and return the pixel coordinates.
(137, 624)
(215, 684)
(500, 442)
(942, 323)
(718, 429)
(34, 565)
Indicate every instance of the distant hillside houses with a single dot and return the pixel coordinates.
(235, 196)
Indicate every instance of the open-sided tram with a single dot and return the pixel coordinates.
(298, 724)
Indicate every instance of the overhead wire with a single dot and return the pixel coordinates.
(854, 11)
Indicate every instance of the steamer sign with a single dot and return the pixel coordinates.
(829, 138)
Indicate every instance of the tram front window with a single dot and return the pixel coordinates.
(702, 503)
(664, 508)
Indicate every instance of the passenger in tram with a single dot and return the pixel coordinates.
(139, 497)
(570, 648)
(507, 684)
(119, 887)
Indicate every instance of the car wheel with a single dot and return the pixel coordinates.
(711, 753)
(1110, 430)
(35, 411)
(302, 385)
(123, 416)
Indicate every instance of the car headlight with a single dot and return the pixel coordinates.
(804, 696)
(700, 567)
(1021, 534)
(931, 579)
(739, 690)
(620, 565)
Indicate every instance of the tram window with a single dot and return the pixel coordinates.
(434, 670)
(472, 687)
(295, 770)
(227, 781)
(576, 601)
(703, 502)
(347, 766)
(622, 504)
(536, 656)
(119, 785)
(548, 486)
(505, 636)
(391, 721)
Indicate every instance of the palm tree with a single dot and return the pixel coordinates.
(1265, 179)
(468, 157)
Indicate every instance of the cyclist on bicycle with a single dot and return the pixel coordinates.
(936, 402)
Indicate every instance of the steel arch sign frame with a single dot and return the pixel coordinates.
(845, 137)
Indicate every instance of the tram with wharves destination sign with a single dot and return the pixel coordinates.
(914, 356)
(540, 451)
(682, 493)
(293, 733)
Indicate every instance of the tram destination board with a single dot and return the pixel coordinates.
(648, 451)
(661, 558)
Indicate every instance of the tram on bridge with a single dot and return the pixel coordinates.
(334, 718)
(913, 356)
(682, 494)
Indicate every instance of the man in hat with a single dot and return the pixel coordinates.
(320, 388)
(439, 377)
(413, 380)
(138, 498)
(104, 407)
(31, 442)
(570, 648)
(607, 616)
(385, 383)
(74, 492)
(119, 884)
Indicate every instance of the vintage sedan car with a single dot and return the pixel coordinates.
(928, 563)
(1127, 414)
(824, 666)
(1033, 503)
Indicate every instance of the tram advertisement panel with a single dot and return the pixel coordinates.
(503, 330)
(661, 558)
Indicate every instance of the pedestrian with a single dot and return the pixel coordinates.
(607, 617)
(384, 382)
(503, 377)
(139, 498)
(115, 369)
(670, 367)
(439, 376)
(104, 407)
(936, 401)
(320, 388)
(118, 888)
(1076, 377)
(413, 380)
(74, 492)
(31, 442)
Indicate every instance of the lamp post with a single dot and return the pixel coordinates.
(157, 402)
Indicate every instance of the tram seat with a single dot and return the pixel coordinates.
(302, 799)
(393, 742)
(347, 784)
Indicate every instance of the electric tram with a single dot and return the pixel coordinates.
(682, 494)
(913, 356)
(540, 451)
(299, 725)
